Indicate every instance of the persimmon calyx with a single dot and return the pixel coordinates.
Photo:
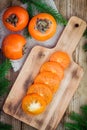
(42, 25)
(12, 19)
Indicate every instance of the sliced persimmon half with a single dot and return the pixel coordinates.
(42, 90)
(61, 57)
(48, 78)
(33, 104)
(53, 67)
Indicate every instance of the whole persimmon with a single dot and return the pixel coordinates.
(15, 18)
(42, 26)
(13, 46)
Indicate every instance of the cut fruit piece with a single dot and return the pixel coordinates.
(61, 57)
(33, 104)
(48, 78)
(42, 90)
(53, 67)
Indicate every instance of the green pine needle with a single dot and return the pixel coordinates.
(85, 47)
(5, 126)
(72, 126)
(39, 6)
(4, 67)
(26, 33)
(42, 7)
(79, 121)
(84, 110)
(4, 83)
(85, 33)
(30, 10)
(75, 117)
(24, 1)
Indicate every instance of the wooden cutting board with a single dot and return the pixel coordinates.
(55, 110)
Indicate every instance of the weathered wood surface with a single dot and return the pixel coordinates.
(67, 8)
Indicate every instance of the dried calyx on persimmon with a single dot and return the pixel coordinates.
(12, 19)
(42, 25)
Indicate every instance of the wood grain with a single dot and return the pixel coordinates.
(49, 119)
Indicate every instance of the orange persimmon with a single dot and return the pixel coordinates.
(53, 67)
(12, 46)
(33, 104)
(42, 26)
(15, 18)
(48, 78)
(42, 90)
(61, 57)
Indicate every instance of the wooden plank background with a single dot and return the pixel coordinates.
(67, 8)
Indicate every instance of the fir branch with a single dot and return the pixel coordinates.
(24, 1)
(30, 9)
(42, 7)
(85, 33)
(4, 83)
(26, 33)
(72, 126)
(34, 7)
(5, 126)
(4, 68)
(85, 47)
(84, 109)
(79, 120)
(75, 117)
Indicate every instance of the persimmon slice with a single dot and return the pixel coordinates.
(53, 67)
(48, 78)
(61, 57)
(33, 104)
(42, 90)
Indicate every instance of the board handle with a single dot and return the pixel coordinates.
(71, 35)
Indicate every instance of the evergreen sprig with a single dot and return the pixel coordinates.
(5, 126)
(42, 6)
(85, 33)
(4, 82)
(85, 47)
(79, 121)
(4, 67)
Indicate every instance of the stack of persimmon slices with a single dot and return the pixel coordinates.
(46, 83)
